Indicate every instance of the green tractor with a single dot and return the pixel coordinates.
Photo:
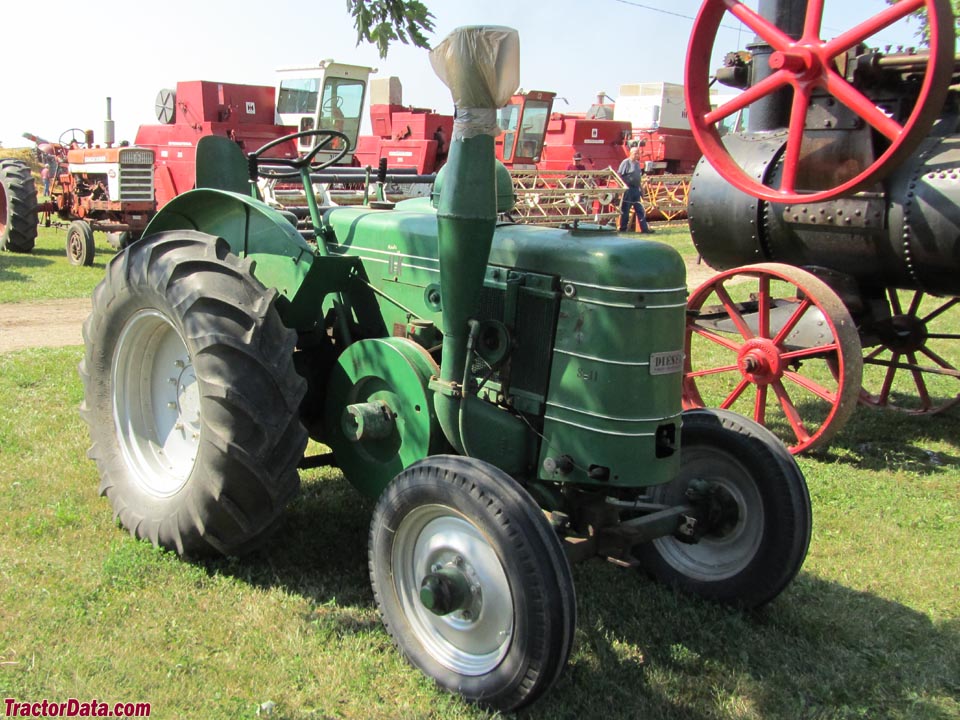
(510, 395)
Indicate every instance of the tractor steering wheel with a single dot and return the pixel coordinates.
(324, 138)
(331, 104)
(73, 135)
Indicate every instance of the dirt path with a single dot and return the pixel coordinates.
(49, 323)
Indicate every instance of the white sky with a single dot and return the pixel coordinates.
(58, 79)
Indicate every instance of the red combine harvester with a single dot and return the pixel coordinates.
(329, 96)
(408, 137)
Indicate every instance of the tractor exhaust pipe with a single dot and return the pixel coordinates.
(481, 66)
(108, 129)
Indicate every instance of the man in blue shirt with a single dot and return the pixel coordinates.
(631, 171)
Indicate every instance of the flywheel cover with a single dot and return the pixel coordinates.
(395, 371)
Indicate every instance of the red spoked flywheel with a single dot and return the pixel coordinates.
(808, 65)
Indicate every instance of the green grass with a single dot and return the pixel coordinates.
(46, 274)
(870, 629)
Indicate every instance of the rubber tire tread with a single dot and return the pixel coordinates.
(20, 235)
(251, 438)
(86, 239)
(533, 558)
(788, 512)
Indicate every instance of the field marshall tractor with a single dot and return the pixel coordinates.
(509, 394)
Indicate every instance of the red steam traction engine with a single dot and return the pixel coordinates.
(843, 195)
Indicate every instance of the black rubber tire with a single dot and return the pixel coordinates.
(249, 438)
(80, 247)
(18, 207)
(530, 556)
(713, 441)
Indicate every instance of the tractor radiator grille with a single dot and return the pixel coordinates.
(533, 336)
(136, 175)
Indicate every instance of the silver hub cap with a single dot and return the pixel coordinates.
(156, 403)
(472, 640)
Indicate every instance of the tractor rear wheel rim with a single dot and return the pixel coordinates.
(3, 209)
(470, 641)
(156, 403)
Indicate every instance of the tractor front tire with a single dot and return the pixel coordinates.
(18, 207)
(757, 547)
(191, 396)
(507, 638)
(80, 246)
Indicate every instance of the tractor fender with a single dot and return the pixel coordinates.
(283, 259)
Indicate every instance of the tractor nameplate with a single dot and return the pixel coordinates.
(664, 363)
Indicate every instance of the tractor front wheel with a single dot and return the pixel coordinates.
(759, 523)
(80, 247)
(472, 582)
(191, 396)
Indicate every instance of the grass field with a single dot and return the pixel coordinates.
(45, 273)
(870, 629)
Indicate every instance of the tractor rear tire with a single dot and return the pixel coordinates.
(18, 207)
(508, 637)
(191, 396)
(80, 246)
(759, 548)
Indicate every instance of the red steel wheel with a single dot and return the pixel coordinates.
(913, 369)
(807, 65)
(775, 343)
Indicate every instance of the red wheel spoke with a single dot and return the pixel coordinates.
(713, 371)
(915, 303)
(940, 310)
(734, 313)
(868, 28)
(888, 378)
(919, 382)
(792, 322)
(810, 352)
(798, 121)
(816, 388)
(763, 300)
(713, 337)
(937, 359)
(942, 336)
(760, 405)
(862, 106)
(874, 353)
(735, 395)
(813, 20)
(768, 85)
(769, 32)
(895, 302)
(790, 411)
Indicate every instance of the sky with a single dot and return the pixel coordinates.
(65, 59)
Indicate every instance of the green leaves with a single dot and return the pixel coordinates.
(384, 21)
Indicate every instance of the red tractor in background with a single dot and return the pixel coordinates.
(106, 189)
(117, 190)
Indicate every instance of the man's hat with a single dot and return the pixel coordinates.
(577, 156)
